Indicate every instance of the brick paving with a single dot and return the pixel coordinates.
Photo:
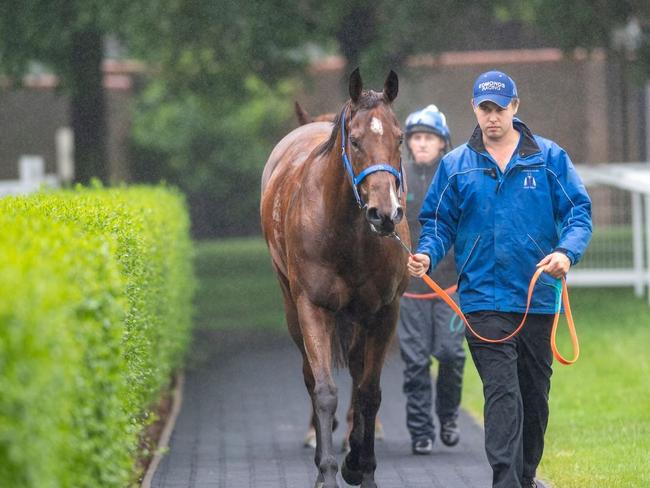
(245, 411)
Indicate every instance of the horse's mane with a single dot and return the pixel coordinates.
(369, 99)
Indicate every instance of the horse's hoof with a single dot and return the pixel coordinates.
(321, 484)
(379, 431)
(345, 446)
(350, 476)
(369, 484)
(310, 438)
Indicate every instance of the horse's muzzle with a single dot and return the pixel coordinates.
(381, 222)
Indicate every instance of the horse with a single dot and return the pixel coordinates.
(331, 198)
(305, 117)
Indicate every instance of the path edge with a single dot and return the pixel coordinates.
(163, 443)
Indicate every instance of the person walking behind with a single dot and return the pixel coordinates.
(427, 327)
(509, 202)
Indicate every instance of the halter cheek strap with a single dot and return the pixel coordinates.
(356, 180)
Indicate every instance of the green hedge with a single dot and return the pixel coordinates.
(95, 313)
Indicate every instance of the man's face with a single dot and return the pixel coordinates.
(495, 121)
(425, 146)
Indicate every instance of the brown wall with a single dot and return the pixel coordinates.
(31, 115)
(576, 100)
(29, 119)
(573, 100)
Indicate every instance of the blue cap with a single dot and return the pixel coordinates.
(494, 86)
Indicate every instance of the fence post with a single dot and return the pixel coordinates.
(647, 242)
(647, 122)
(65, 154)
(637, 244)
(31, 172)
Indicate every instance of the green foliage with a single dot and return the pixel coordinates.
(96, 313)
(219, 102)
(215, 156)
(587, 24)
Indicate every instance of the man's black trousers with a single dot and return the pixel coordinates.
(516, 383)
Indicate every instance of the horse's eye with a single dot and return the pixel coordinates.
(354, 143)
(401, 139)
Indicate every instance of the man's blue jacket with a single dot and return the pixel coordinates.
(503, 223)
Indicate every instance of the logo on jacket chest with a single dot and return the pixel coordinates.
(529, 180)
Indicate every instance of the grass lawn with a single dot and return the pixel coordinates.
(237, 286)
(599, 430)
(610, 247)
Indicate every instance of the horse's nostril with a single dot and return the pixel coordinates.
(399, 215)
(372, 215)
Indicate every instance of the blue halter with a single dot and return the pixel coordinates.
(356, 180)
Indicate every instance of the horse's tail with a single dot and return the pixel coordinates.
(342, 340)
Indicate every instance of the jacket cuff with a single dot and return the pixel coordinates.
(567, 253)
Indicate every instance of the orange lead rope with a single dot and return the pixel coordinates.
(430, 296)
(565, 300)
(567, 307)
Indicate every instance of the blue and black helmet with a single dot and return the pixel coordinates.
(428, 119)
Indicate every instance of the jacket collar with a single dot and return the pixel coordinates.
(527, 145)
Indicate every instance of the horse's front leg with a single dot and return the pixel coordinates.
(360, 463)
(350, 469)
(317, 326)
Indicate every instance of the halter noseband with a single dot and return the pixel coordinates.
(356, 180)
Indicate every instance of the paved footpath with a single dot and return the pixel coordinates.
(245, 411)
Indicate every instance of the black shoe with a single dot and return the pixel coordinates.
(528, 483)
(422, 446)
(449, 433)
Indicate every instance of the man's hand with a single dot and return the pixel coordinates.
(557, 264)
(418, 265)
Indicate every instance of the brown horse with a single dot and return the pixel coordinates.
(329, 194)
(305, 117)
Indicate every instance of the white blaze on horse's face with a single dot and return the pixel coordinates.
(376, 126)
(395, 206)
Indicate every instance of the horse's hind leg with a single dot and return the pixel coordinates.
(360, 463)
(317, 325)
(349, 417)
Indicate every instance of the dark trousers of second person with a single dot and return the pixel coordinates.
(425, 328)
(516, 378)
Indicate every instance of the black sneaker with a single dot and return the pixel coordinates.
(528, 483)
(422, 446)
(449, 433)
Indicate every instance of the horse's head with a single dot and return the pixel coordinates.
(373, 145)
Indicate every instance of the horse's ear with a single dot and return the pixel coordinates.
(302, 114)
(356, 85)
(391, 86)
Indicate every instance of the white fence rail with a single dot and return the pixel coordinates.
(619, 254)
